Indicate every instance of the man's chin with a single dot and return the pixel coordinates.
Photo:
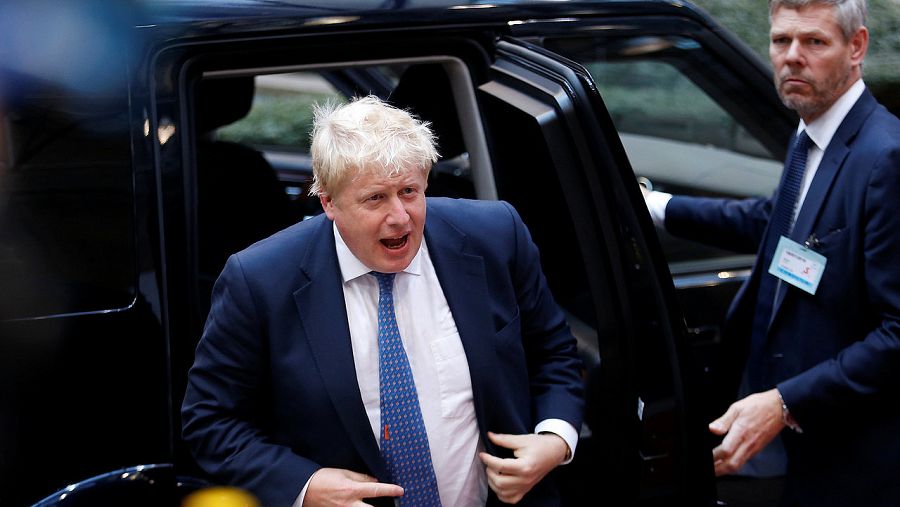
(388, 263)
(391, 267)
(804, 106)
(806, 109)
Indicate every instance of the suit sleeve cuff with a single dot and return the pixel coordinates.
(564, 430)
(299, 501)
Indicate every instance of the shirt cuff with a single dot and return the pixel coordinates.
(564, 430)
(656, 205)
(786, 416)
(299, 501)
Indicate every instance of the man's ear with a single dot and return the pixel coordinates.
(327, 204)
(859, 45)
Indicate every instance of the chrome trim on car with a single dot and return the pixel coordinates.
(695, 280)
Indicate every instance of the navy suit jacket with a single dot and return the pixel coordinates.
(273, 394)
(835, 355)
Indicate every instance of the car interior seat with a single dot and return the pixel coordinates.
(424, 90)
(239, 197)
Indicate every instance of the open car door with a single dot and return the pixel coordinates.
(558, 159)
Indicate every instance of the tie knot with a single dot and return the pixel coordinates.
(385, 281)
(803, 141)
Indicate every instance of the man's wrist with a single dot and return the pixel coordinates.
(563, 430)
(786, 416)
(568, 454)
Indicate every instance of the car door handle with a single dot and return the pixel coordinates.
(704, 334)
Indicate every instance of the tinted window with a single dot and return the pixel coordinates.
(66, 220)
(678, 136)
(282, 110)
(683, 125)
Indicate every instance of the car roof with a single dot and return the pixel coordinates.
(69, 31)
(199, 17)
(216, 9)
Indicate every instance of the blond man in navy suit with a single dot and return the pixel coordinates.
(283, 398)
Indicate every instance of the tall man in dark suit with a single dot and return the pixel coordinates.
(373, 352)
(819, 318)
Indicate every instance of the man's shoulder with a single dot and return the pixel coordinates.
(877, 144)
(879, 126)
(472, 216)
(457, 207)
(287, 245)
(885, 124)
(491, 229)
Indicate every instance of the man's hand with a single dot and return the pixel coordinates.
(535, 456)
(748, 425)
(343, 488)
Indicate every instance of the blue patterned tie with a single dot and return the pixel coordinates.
(404, 443)
(780, 224)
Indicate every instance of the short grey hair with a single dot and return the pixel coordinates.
(367, 135)
(850, 14)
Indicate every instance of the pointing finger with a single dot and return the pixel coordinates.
(506, 441)
(380, 489)
(721, 425)
(356, 476)
(490, 461)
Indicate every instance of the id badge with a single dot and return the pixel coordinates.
(797, 265)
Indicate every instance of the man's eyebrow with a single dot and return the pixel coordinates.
(813, 32)
(816, 32)
(369, 190)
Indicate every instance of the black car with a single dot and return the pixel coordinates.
(141, 144)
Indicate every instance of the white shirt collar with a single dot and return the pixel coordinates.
(823, 128)
(352, 267)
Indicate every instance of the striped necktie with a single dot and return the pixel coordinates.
(780, 224)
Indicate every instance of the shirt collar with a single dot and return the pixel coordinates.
(823, 128)
(352, 267)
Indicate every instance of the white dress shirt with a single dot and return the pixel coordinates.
(439, 367)
(438, 364)
(820, 132)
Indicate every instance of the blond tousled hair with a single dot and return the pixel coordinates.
(367, 135)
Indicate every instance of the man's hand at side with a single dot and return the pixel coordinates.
(748, 425)
(535, 456)
(344, 488)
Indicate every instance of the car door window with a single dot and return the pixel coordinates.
(677, 136)
(282, 111)
(682, 129)
(279, 124)
(67, 242)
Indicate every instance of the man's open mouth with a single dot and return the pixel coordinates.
(395, 243)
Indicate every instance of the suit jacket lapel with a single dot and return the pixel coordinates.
(464, 284)
(329, 339)
(832, 162)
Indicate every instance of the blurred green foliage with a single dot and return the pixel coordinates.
(639, 96)
(277, 120)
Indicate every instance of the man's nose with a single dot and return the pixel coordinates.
(794, 54)
(397, 214)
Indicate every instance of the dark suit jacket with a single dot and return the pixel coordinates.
(273, 395)
(835, 355)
